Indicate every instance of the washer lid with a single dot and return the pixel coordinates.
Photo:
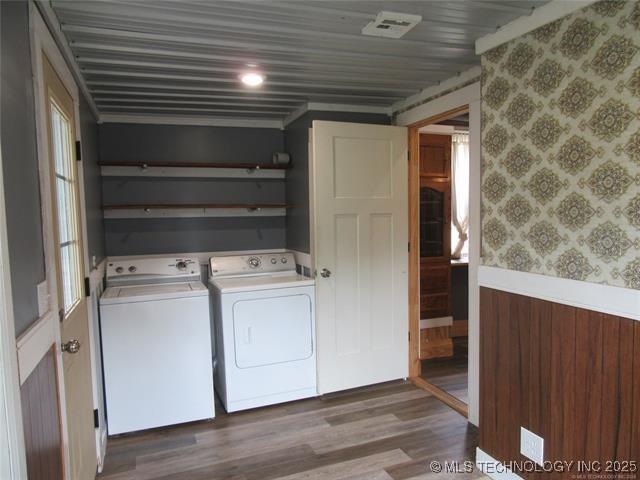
(248, 283)
(146, 293)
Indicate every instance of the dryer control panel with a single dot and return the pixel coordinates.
(233, 265)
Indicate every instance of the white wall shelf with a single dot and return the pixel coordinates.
(194, 211)
(192, 170)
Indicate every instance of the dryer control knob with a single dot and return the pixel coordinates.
(133, 268)
(119, 269)
(181, 265)
(283, 259)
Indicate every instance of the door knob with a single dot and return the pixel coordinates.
(324, 273)
(72, 346)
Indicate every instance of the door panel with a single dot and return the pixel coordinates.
(435, 156)
(381, 240)
(360, 240)
(69, 253)
(78, 395)
(347, 285)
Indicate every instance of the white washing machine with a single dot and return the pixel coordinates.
(264, 329)
(156, 344)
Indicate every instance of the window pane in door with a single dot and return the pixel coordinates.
(66, 207)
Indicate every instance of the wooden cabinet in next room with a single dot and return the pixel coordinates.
(435, 240)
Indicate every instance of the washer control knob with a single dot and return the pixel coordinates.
(254, 262)
(133, 268)
(119, 269)
(274, 261)
(181, 265)
(283, 259)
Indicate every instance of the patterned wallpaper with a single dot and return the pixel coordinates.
(561, 148)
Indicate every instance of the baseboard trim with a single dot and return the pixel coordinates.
(493, 468)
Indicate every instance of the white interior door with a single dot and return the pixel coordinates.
(360, 215)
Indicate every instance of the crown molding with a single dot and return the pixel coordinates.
(430, 93)
(180, 120)
(520, 26)
(335, 107)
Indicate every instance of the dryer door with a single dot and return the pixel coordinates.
(272, 330)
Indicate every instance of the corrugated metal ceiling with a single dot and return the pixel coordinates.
(184, 57)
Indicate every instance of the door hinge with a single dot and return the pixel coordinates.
(78, 151)
(87, 287)
(96, 419)
(409, 336)
(409, 247)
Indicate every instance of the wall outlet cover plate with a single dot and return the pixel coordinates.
(531, 446)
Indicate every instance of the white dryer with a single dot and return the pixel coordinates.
(264, 329)
(156, 345)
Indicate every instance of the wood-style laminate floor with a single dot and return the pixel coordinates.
(450, 374)
(390, 431)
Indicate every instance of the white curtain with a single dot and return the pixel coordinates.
(459, 194)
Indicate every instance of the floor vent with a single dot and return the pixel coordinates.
(391, 24)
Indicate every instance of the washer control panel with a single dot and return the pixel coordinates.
(252, 264)
(153, 267)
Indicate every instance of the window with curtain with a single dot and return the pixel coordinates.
(459, 195)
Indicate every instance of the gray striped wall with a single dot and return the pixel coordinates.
(177, 143)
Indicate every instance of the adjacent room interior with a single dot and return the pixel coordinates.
(444, 254)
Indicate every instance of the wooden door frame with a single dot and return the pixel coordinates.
(415, 365)
(465, 98)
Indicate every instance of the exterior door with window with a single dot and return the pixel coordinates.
(74, 327)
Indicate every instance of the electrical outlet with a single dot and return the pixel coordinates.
(531, 446)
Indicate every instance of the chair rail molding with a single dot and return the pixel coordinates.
(623, 302)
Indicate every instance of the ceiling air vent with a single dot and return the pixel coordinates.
(391, 24)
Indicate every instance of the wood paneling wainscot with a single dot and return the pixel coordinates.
(41, 419)
(567, 374)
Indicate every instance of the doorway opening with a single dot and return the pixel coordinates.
(439, 229)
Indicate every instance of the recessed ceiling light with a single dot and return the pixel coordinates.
(252, 79)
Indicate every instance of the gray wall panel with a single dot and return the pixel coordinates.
(176, 235)
(92, 182)
(191, 190)
(20, 164)
(297, 182)
(149, 143)
(186, 143)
